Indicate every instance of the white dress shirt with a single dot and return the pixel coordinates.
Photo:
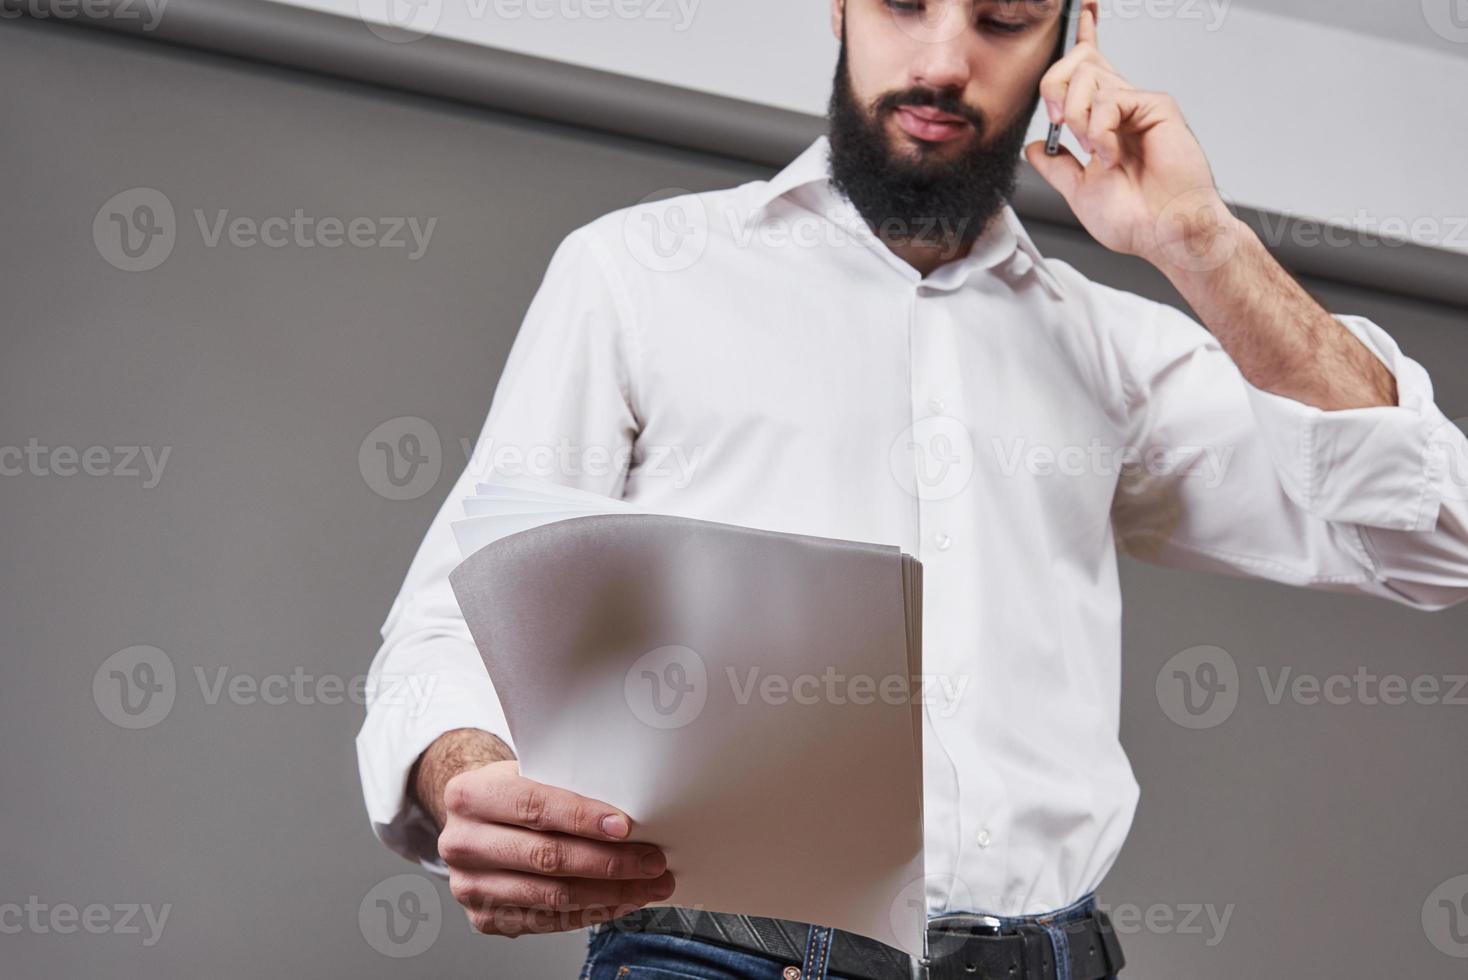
(755, 356)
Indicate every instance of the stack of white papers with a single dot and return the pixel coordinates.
(749, 697)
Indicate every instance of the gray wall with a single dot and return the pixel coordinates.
(265, 550)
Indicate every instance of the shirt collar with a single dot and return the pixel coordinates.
(1008, 235)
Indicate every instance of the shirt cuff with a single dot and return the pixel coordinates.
(396, 732)
(1377, 467)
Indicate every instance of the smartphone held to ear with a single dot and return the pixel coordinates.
(1070, 31)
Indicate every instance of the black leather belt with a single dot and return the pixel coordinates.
(960, 946)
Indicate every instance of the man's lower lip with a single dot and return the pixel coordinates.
(923, 129)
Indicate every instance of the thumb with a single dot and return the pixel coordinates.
(1062, 171)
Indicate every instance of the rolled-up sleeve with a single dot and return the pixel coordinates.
(1367, 499)
(562, 411)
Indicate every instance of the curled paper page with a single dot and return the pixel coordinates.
(748, 697)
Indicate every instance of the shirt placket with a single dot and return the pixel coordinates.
(963, 799)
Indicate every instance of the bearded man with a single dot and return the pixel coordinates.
(862, 348)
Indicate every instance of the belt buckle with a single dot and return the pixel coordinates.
(981, 925)
(988, 925)
(952, 930)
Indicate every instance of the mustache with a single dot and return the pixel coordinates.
(943, 101)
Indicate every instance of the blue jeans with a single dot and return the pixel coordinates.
(614, 954)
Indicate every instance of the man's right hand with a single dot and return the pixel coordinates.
(526, 857)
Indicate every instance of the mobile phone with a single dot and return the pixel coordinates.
(1070, 17)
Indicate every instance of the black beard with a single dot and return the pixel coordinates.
(931, 200)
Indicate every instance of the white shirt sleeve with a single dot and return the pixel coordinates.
(562, 411)
(1247, 482)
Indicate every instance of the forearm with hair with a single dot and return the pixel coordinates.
(451, 753)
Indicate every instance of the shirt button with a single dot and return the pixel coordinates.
(984, 839)
(943, 541)
(937, 405)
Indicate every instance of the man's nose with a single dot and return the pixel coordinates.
(941, 56)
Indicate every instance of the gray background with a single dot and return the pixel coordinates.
(265, 551)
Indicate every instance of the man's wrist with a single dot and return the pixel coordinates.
(1198, 242)
(453, 752)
